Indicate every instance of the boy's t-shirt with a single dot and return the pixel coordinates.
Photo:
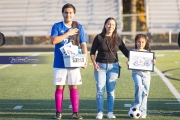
(59, 29)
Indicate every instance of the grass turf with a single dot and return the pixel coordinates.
(32, 87)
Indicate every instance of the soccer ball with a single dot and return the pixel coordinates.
(134, 113)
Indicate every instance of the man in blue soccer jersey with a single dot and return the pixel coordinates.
(60, 36)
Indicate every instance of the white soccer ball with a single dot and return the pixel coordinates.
(134, 113)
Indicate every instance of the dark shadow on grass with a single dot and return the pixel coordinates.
(45, 109)
(170, 77)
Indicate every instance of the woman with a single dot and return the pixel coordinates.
(106, 67)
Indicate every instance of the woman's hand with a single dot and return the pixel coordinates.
(96, 67)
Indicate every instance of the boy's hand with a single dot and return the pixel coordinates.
(85, 65)
(72, 31)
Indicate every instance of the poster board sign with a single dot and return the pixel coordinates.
(141, 60)
(74, 61)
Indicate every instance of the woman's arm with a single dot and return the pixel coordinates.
(96, 67)
(93, 52)
(123, 49)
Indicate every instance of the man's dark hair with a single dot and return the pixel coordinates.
(68, 5)
(2, 39)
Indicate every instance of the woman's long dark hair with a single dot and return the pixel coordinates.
(114, 38)
(147, 46)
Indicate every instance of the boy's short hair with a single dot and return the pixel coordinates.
(68, 5)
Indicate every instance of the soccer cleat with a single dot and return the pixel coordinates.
(110, 115)
(99, 115)
(76, 116)
(58, 116)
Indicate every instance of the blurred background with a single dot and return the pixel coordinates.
(27, 23)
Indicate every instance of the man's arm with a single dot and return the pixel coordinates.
(84, 51)
(58, 39)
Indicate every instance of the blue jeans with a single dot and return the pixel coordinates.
(106, 78)
(142, 84)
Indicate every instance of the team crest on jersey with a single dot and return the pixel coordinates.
(62, 31)
(58, 79)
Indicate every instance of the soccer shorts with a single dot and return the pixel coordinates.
(73, 76)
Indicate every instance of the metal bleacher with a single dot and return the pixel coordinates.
(36, 17)
(163, 16)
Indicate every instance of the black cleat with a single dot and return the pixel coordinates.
(76, 116)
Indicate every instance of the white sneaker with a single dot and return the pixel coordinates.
(110, 115)
(99, 115)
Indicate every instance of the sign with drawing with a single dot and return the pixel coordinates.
(141, 60)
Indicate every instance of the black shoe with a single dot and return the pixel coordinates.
(76, 116)
(58, 116)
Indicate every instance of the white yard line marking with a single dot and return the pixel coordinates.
(127, 105)
(169, 84)
(5, 66)
(70, 106)
(18, 107)
(154, 74)
(36, 54)
(171, 103)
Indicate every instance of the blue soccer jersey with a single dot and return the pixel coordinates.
(59, 29)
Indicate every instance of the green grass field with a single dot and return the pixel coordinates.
(31, 86)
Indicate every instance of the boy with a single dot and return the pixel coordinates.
(60, 36)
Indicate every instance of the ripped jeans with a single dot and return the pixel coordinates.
(106, 78)
(142, 85)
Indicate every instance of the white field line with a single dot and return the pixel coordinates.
(169, 84)
(18, 107)
(5, 66)
(36, 54)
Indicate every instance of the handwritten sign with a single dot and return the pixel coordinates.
(141, 60)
